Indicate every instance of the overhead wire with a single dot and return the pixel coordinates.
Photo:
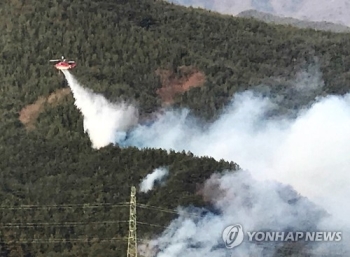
(70, 240)
(94, 205)
(58, 224)
(64, 206)
(70, 224)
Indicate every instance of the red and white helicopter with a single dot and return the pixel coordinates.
(63, 64)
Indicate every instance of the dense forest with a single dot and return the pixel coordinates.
(136, 50)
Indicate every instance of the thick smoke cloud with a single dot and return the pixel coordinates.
(239, 199)
(311, 10)
(308, 152)
(158, 175)
(105, 122)
(315, 145)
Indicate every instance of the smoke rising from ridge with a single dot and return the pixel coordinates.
(105, 122)
(239, 199)
(157, 175)
(308, 152)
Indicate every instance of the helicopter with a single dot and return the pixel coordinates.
(63, 64)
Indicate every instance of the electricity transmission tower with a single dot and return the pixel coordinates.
(132, 243)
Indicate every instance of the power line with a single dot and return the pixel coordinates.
(63, 240)
(69, 240)
(64, 206)
(132, 239)
(95, 205)
(58, 224)
(156, 208)
(70, 224)
(132, 222)
(150, 224)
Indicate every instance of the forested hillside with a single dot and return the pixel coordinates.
(152, 52)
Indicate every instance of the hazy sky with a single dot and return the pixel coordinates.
(314, 10)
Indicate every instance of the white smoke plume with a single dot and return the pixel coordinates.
(309, 153)
(238, 199)
(105, 122)
(157, 175)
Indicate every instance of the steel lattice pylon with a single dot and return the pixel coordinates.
(132, 239)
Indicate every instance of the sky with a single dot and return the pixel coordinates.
(335, 11)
